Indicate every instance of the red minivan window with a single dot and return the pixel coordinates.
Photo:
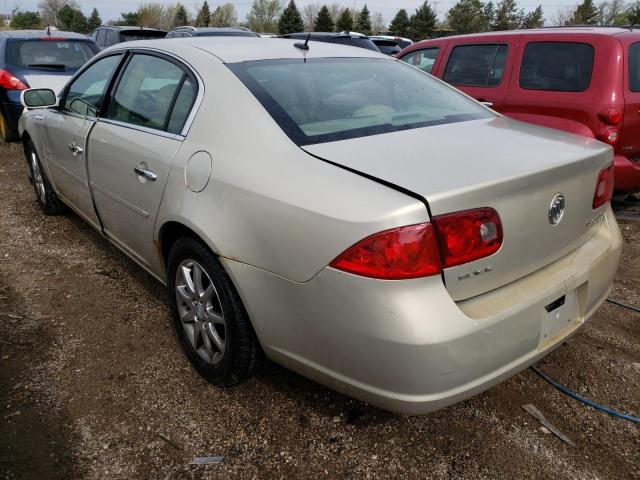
(634, 67)
(423, 59)
(476, 65)
(556, 66)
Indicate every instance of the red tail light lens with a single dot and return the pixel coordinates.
(609, 135)
(400, 253)
(10, 82)
(604, 186)
(469, 235)
(613, 116)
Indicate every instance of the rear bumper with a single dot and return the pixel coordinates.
(627, 174)
(406, 346)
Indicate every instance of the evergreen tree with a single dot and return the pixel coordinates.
(585, 14)
(79, 22)
(65, 17)
(290, 20)
(363, 25)
(129, 19)
(534, 19)
(345, 22)
(422, 22)
(400, 24)
(181, 17)
(203, 19)
(507, 16)
(94, 20)
(323, 23)
(468, 16)
(25, 21)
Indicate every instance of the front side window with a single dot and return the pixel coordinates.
(84, 96)
(634, 67)
(556, 66)
(476, 65)
(146, 92)
(329, 99)
(59, 55)
(423, 59)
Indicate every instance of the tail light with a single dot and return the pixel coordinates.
(10, 82)
(609, 135)
(613, 116)
(604, 186)
(400, 253)
(469, 235)
(424, 249)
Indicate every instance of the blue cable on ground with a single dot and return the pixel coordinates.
(586, 401)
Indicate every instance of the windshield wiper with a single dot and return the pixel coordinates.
(52, 66)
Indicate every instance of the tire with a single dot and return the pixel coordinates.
(6, 133)
(212, 324)
(47, 199)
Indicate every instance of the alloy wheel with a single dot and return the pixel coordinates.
(200, 311)
(37, 178)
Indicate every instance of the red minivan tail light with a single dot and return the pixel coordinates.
(604, 186)
(9, 81)
(613, 116)
(468, 235)
(396, 254)
(609, 135)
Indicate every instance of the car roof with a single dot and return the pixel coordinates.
(129, 27)
(243, 49)
(26, 34)
(608, 31)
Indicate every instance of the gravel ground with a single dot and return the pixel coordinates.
(93, 384)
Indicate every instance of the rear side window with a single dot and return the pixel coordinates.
(147, 92)
(101, 37)
(423, 59)
(49, 54)
(476, 65)
(634, 67)
(112, 37)
(556, 66)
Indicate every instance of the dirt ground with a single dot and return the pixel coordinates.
(93, 384)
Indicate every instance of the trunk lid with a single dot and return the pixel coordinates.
(513, 167)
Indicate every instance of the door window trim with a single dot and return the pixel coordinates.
(63, 95)
(188, 72)
(497, 44)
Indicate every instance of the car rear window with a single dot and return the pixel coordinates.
(131, 35)
(356, 42)
(476, 65)
(556, 66)
(329, 99)
(49, 54)
(634, 67)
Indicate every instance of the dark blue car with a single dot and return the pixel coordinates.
(36, 59)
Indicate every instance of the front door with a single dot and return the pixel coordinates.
(132, 148)
(65, 135)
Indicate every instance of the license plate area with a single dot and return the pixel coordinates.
(558, 315)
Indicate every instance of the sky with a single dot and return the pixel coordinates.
(110, 9)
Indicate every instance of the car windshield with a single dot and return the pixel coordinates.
(49, 54)
(329, 99)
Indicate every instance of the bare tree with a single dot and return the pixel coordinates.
(378, 24)
(224, 16)
(562, 17)
(309, 14)
(264, 14)
(49, 10)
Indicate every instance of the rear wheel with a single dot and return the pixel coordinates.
(48, 201)
(208, 315)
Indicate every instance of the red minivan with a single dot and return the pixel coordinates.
(584, 80)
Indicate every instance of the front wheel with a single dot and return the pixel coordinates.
(208, 315)
(48, 201)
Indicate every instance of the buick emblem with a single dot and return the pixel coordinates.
(556, 209)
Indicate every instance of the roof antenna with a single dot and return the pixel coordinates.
(304, 47)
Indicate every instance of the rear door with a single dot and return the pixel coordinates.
(630, 135)
(66, 130)
(480, 68)
(131, 149)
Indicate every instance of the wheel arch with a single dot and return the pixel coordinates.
(171, 231)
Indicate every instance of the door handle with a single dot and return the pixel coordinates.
(148, 174)
(75, 148)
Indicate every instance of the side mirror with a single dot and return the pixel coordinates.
(39, 98)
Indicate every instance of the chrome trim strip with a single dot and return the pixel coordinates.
(130, 206)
